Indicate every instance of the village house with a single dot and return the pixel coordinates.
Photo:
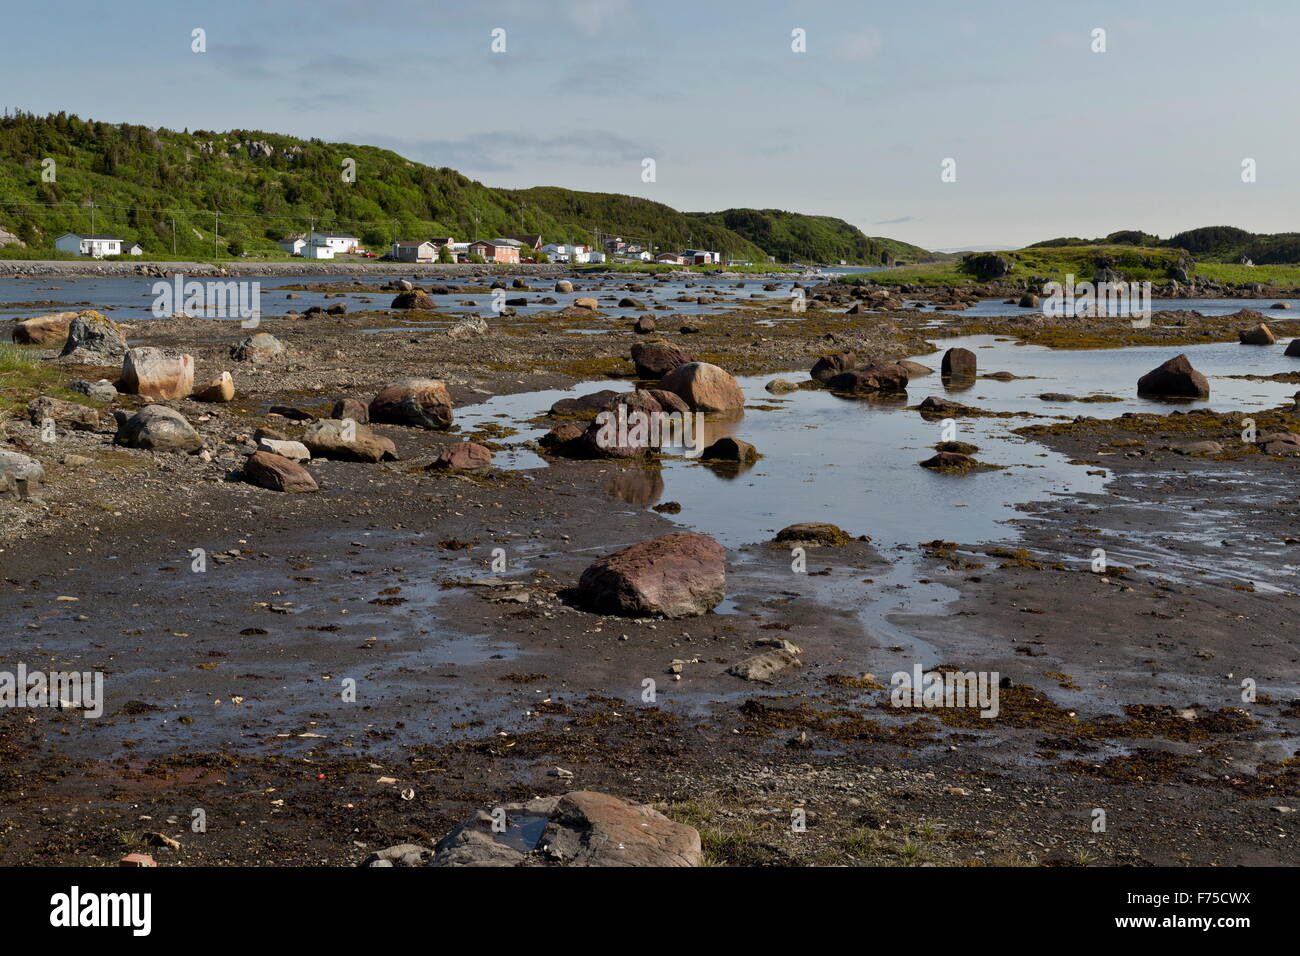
(293, 243)
(496, 250)
(671, 258)
(532, 242)
(700, 257)
(335, 241)
(565, 252)
(89, 245)
(415, 251)
(132, 249)
(595, 256)
(317, 250)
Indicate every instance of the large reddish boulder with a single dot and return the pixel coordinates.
(881, 377)
(49, 329)
(352, 408)
(828, 366)
(674, 575)
(704, 387)
(155, 374)
(1257, 335)
(1175, 378)
(585, 404)
(958, 363)
(267, 470)
(656, 359)
(420, 402)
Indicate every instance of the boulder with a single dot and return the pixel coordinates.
(463, 456)
(657, 358)
(949, 461)
(764, 666)
(1200, 448)
(49, 329)
(277, 473)
(293, 450)
(260, 349)
(221, 388)
(20, 475)
(469, 327)
(828, 366)
(591, 305)
(418, 402)
(915, 369)
(704, 387)
(580, 828)
(1029, 301)
(585, 404)
(667, 401)
(157, 428)
(67, 414)
(881, 377)
(1175, 378)
(564, 440)
(730, 449)
(674, 575)
(627, 302)
(157, 375)
(813, 532)
(958, 363)
(352, 408)
(347, 440)
(564, 285)
(101, 391)
(414, 299)
(93, 340)
(1257, 335)
(781, 386)
(644, 325)
(338, 308)
(1293, 348)
(934, 405)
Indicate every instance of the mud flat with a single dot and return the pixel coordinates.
(477, 685)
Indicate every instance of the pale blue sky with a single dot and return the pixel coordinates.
(1050, 138)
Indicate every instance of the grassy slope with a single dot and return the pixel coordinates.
(813, 239)
(165, 174)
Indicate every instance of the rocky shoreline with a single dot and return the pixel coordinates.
(225, 684)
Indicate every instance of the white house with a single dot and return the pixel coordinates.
(317, 251)
(334, 241)
(564, 252)
(87, 245)
(132, 249)
(293, 244)
(595, 256)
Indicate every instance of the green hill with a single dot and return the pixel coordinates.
(1224, 244)
(795, 237)
(205, 194)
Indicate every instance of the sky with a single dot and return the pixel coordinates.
(1048, 137)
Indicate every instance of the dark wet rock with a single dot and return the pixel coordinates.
(828, 366)
(704, 387)
(627, 302)
(880, 377)
(657, 358)
(418, 402)
(585, 404)
(674, 575)
(67, 414)
(277, 473)
(1057, 397)
(1174, 378)
(950, 461)
(668, 401)
(958, 363)
(644, 325)
(347, 441)
(813, 532)
(1293, 348)
(730, 449)
(463, 456)
(338, 308)
(563, 439)
(1029, 301)
(986, 266)
(93, 340)
(157, 428)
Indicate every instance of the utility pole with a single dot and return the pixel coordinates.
(173, 235)
(216, 231)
